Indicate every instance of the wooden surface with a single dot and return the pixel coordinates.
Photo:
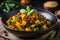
(13, 37)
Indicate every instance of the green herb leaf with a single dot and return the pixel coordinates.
(11, 5)
(8, 5)
(32, 11)
(52, 36)
(28, 9)
(1, 4)
(17, 6)
(23, 11)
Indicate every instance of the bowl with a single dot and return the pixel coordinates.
(34, 34)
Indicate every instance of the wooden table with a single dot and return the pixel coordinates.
(13, 37)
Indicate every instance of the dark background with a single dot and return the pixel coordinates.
(37, 3)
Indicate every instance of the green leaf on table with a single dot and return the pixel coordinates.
(1, 4)
(11, 5)
(52, 36)
(7, 7)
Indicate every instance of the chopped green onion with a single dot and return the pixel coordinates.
(41, 19)
(9, 22)
(18, 18)
(33, 25)
(23, 26)
(20, 29)
(13, 22)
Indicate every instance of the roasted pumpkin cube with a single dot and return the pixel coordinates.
(44, 26)
(11, 26)
(17, 24)
(37, 21)
(24, 22)
(22, 15)
(13, 17)
(27, 29)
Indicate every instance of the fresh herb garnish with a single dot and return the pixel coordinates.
(28, 11)
(23, 11)
(7, 6)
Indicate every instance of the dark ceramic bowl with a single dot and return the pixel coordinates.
(30, 35)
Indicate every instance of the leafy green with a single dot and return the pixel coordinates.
(41, 19)
(52, 36)
(1, 4)
(18, 18)
(17, 6)
(28, 9)
(5, 10)
(11, 5)
(29, 23)
(8, 9)
(33, 25)
(23, 11)
(7, 6)
(23, 26)
(13, 22)
(9, 22)
(20, 29)
(32, 11)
